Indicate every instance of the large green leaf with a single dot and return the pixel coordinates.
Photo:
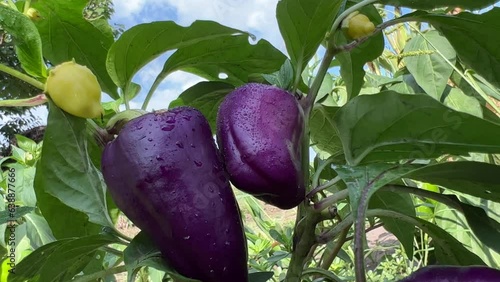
(66, 35)
(431, 71)
(472, 178)
(206, 97)
(65, 170)
(402, 203)
(144, 42)
(60, 260)
(323, 131)
(431, 4)
(392, 126)
(352, 62)
(303, 25)
(233, 56)
(456, 224)
(470, 35)
(27, 40)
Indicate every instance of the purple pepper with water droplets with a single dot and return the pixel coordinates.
(166, 175)
(260, 131)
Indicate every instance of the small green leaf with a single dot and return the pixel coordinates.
(38, 230)
(303, 25)
(260, 276)
(282, 78)
(205, 96)
(6, 215)
(142, 252)
(323, 131)
(27, 40)
(430, 70)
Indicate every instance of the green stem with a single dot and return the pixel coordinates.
(305, 241)
(318, 80)
(27, 5)
(328, 257)
(471, 80)
(22, 76)
(324, 186)
(113, 251)
(100, 274)
(330, 200)
(12, 4)
(28, 102)
(152, 90)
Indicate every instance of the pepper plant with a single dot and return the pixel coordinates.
(402, 116)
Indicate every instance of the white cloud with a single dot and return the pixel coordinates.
(256, 16)
(126, 8)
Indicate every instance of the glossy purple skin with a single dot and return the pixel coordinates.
(454, 274)
(165, 173)
(259, 132)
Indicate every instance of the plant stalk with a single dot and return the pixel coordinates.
(19, 75)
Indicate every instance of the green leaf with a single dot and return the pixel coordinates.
(352, 62)
(282, 78)
(363, 181)
(430, 71)
(38, 230)
(472, 178)
(468, 233)
(25, 194)
(323, 131)
(205, 96)
(455, 223)
(470, 36)
(392, 126)
(455, 99)
(65, 170)
(66, 35)
(142, 252)
(28, 44)
(60, 260)
(260, 276)
(231, 56)
(303, 25)
(64, 221)
(448, 249)
(144, 42)
(402, 203)
(484, 227)
(6, 215)
(432, 4)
